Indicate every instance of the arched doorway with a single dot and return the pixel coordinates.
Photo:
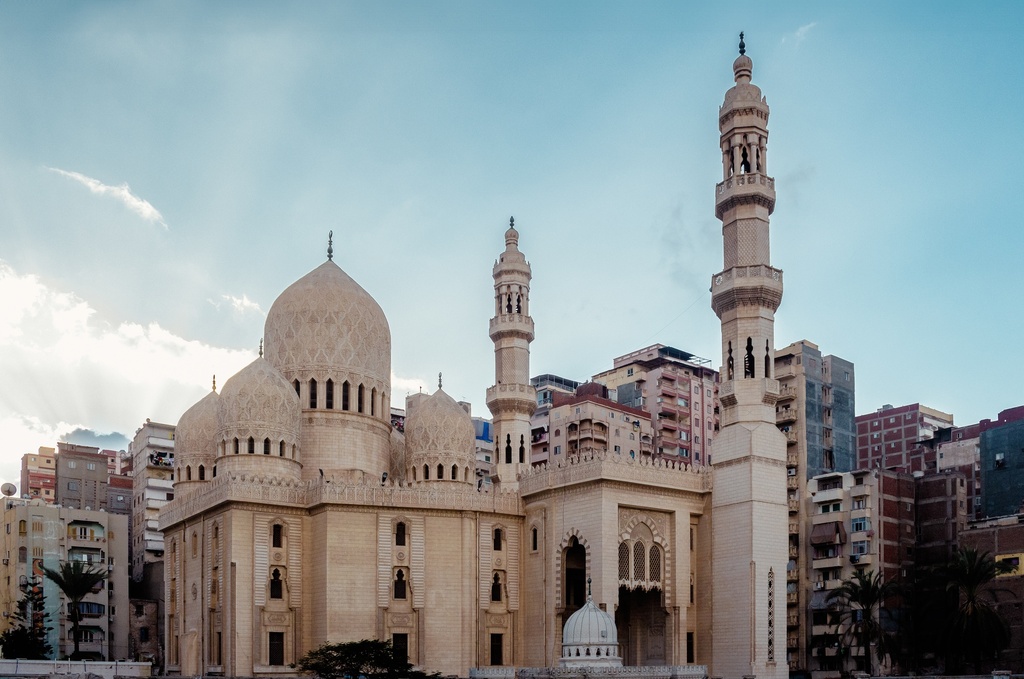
(574, 577)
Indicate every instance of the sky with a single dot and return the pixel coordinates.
(168, 168)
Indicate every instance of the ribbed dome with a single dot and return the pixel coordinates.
(326, 322)
(439, 425)
(258, 402)
(589, 625)
(589, 638)
(196, 433)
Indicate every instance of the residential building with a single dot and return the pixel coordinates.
(39, 475)
(815, 412)
(1002, 463)
(484, 450)
(152, 461)
(677, 390)
(42, 535)
(893, 438)
(547, 386)
(863, 520)
(81, 479)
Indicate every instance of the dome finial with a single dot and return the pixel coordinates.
(261, 347)
(589, 592)
(215, 383)
(511, 222)
(438, 380)
(330, 245)
(743, 47)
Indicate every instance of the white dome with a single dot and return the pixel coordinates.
(590, 638)
(325, 323)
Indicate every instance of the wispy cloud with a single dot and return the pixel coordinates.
(800, 33)
(122, 193)
(243, 304)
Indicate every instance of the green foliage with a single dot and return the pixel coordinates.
(974, 629)
(368, 658)
(28, 638)
(861, 599)
(77, 580)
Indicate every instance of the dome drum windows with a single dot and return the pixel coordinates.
(312, 393)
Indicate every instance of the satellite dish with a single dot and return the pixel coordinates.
(8, 489)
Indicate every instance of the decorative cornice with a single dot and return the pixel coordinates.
(600, 465)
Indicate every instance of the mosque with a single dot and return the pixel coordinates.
(301, 516)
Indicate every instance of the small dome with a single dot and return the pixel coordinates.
(590, 638)
(589, 626)
(258, 402)
(196, 433)
(326, 323)
(440, 428)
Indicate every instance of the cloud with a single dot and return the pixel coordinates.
(403, 386)
(66, 368)
(87, 437)
(122, 193)
(801, 32)
(240, 304)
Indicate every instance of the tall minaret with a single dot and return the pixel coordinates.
(512, 399)
(749, 515)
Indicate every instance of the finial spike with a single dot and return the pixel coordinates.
(330, 245)
(438, 380)
(511, 222)
(589, 592)
(743, 47)
(215, 383)
(261, 347)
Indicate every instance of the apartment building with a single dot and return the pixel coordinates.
(81, 478)
(677, 390)
(39, 475)
(37, 535)
(894, 438)
(152, 462)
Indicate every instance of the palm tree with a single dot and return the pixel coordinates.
(975, 627)
(861, 598)
(77, 580)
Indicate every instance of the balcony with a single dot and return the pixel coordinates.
(792, 597)
(785, 415)
(792, 459)
(794, 528)
(828, 562)
(793, 576)
(791, 437)
(794, 551)
(794, 506)
(792, 482)
(786, 392)
(793, 620)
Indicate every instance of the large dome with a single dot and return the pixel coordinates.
(326, 323)
(195, 437)
(439, 434)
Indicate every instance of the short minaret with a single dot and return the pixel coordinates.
(512, 399)
(749, 508)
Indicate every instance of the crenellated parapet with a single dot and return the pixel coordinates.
(602, 465)
(303, 495)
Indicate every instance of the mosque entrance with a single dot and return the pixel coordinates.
(641, 620)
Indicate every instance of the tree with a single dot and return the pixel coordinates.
(861, 598)
(28, 638)
(974, 628)
(77, 580)
(368, 658)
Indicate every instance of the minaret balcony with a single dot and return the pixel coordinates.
(519, 325)
(520, 398)
(745, 189)
(757, 284)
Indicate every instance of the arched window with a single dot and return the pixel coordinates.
(276, 588)
(748, 360)
(497, 539)
(426, 472)
(22, 527)
(296, 387)
(414, 474)
(252, 446)
(215, 539)
(399, 584)
(623, 561)
(496, 588)
(312, 393)
(202, 473)
(455, 472)
(329, 396)
(195, 545)
(236, 445)
(440, 471)
(522, 449)
(280, 448)
(373, 401)
(533, 539)
(767, 360)
(639, 562)
(214, 471)
(729, 363)
(400, 534)
(188, 472)
(22, 554)
(360, 395)
(344, 395)
(277, 535)
(655, 563)
(266, 446)
(508, 448)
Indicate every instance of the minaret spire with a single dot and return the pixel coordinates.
(750, 452)
(512, 399)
